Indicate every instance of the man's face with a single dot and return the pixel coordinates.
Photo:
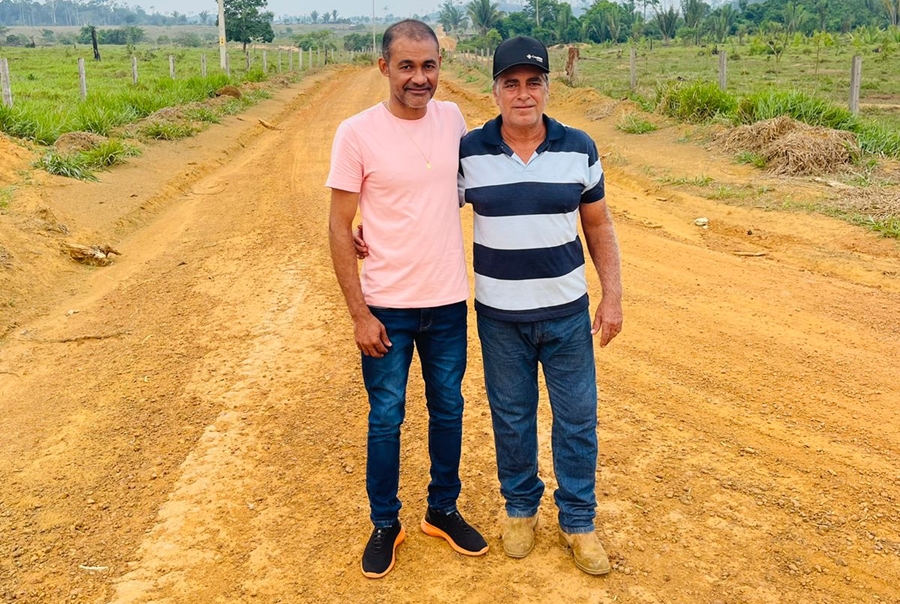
(521, 93)
(413, 74)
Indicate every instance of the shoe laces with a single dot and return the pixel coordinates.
(379, 539)
(457, 519)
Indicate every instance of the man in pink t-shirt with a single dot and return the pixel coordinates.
(397, 163)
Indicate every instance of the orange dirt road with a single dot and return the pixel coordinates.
(188, 425)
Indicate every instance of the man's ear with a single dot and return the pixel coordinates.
(383, 66)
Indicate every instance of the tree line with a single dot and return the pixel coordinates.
(693, 21)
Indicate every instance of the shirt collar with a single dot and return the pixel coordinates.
(555, 131)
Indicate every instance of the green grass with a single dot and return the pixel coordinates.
(607, 68)
(47, 98)
(6, 194)
(697, 181)
(70, 166)
(83, 164)
(754, 159)
(202, 114)
(167, 131)
(634, 124)
(696, 102)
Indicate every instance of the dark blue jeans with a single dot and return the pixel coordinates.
(565, 350)
(439, 335)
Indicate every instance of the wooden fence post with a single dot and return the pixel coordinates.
(134, 71)
(5, 84)
(172, 66)
(723, 66)
(265, 61)
(82, 78)
(855, 83)
(203, 65)
(318, 57)
(633, 69)
(291, 60)
(572, 64)
(227, 64)
(310, 58)
(279, 60)
(247, 55)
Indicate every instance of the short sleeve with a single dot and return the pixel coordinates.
(346, 172)
(595, 186)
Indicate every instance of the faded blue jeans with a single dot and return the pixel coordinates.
(439, 335)
(564, 348)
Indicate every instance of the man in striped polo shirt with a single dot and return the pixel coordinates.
(530, 180)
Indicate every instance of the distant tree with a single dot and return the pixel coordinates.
(245, 23)
(483, 14)
(893, 9)
(203, 16)
(314, 16)
(326, 17)
(667, 21)
(452, 18)
(334, 15)
(722, 20)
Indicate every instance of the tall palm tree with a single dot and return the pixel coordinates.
(667, 21)
(451, 18)
(893, 9)
(693, 11)
(483, 14)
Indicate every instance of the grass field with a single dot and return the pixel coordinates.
(608, 69)
(47, 94)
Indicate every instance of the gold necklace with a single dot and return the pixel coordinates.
(427, 158)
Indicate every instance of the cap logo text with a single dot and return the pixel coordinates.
(535, 57)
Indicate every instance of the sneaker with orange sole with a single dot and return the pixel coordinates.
(461, 536)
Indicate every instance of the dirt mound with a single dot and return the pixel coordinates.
(232, 91)
(595, 106)
(13, 158)
(75, 142)
(793, 148)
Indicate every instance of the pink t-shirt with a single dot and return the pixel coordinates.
(410, 212)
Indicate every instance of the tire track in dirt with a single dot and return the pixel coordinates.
(215, 452)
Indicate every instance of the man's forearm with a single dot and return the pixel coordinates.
(603, 247)
(343, 257)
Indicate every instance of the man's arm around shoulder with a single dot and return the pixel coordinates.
(371, 336)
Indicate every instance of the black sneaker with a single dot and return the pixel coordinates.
(378, 559)
(459, 534)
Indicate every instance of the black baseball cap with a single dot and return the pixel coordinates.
(521, 50)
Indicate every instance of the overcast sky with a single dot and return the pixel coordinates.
(345, 8)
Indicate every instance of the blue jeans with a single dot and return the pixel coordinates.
(564, 348)
(439, 334)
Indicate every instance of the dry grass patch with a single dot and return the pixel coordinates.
(792, 148)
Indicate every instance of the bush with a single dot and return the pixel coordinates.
(634, 124)
(696, 102)
(798, 105)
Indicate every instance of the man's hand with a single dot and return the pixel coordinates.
(371, 336)
(607, 320)
(362, 250)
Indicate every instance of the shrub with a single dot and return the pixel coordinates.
(798, 105)
(634, 124)
(695, 102)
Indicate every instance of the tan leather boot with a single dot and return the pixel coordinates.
(518, 536)
(589, 554)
